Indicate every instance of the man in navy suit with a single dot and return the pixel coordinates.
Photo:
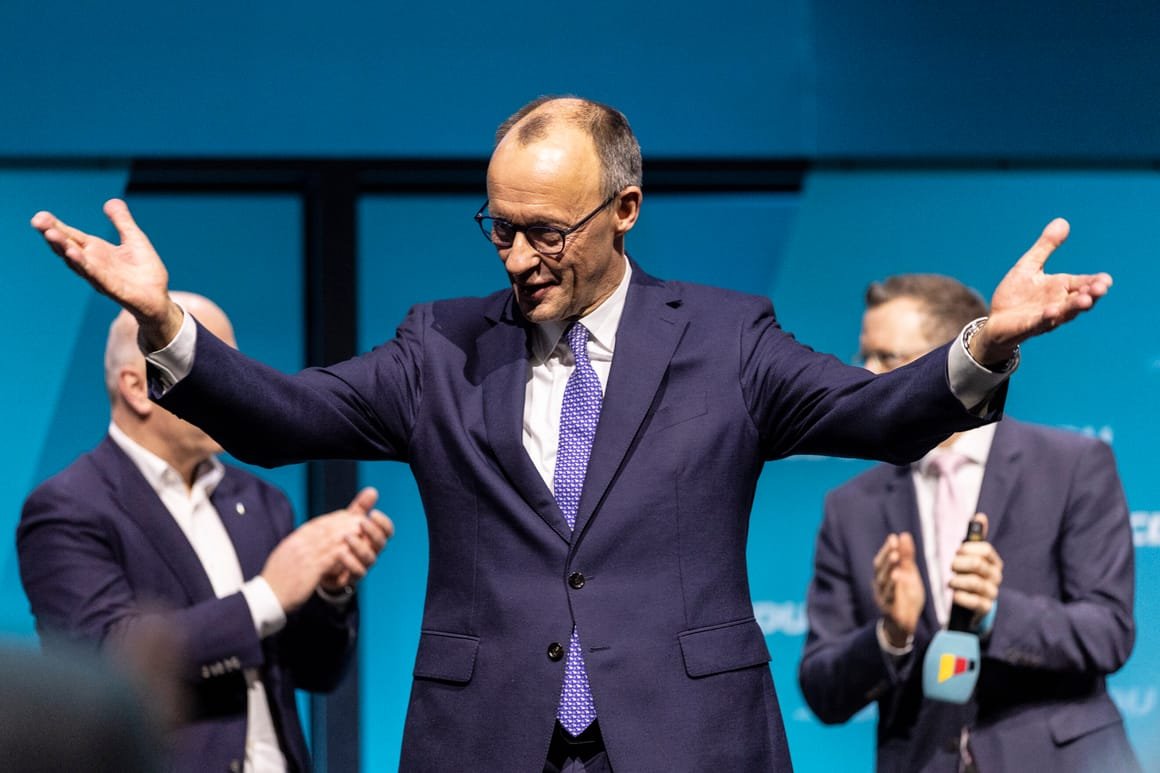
(149, 542)
(1050, 589)
(595, 613)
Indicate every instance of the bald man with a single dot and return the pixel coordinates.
(586, 442)
(149, 538)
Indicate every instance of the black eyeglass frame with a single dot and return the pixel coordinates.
(530, 231)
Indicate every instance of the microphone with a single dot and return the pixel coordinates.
(951, 665)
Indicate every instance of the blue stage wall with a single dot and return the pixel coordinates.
(812, 79)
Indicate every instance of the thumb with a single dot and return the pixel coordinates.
(1054, 234)
(364, 501)
(118, 212)
(906, 546)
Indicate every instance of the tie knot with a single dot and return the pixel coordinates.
(577, 336)
(946, 463)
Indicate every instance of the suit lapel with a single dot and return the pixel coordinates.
(999, 477)
(248, 528)
(900, 511)
(649, 330)
(503, 355)
(140, 504)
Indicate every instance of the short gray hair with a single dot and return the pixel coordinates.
(616, 145)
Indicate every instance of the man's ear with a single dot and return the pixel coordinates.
(627, 209)
(134, 390)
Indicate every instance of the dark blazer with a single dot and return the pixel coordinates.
(102, 561)
(704, 388)
(1059, 521)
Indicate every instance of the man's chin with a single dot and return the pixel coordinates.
(538, 312)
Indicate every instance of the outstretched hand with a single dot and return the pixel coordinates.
(131, 273)
(1029, 302)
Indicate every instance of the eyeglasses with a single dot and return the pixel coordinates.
(544, 239)
(888, 360)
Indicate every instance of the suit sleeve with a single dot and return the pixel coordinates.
(73, 571)
(843, 668)
(1090, 628)
(363, 408)
(802, 401)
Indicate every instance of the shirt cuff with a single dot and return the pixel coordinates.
(885, 645)
(175, 361)
(268, 615)
(971, 382)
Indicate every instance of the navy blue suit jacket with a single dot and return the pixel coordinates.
(101, 557)
(1059, 521)
(704, 388)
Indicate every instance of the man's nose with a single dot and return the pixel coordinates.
(520, 257)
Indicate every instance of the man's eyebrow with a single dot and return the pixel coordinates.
(551, 224)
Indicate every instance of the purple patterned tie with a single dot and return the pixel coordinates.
(578, 417)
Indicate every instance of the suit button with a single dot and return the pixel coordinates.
(555, 651)
(235, 766)
(576, 580)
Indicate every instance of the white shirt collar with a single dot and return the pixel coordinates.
(602, 322)
(158, 473)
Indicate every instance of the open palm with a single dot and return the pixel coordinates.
(1029, 302)
(131, 273)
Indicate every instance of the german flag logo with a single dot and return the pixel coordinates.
(952, 665)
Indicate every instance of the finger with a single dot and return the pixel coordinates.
(973, 602)
(362, 550)
(986, 584)
(974, 558)
(1053, 235)
(337, 579)
(1075, 283)
(351, 563)
(118, 212)
(378, 529)
(364, 501)
(65, 240)
(384, 523)
(46, 222)
(42, 220)
(59, 242)
(889, 544)
(883, 570)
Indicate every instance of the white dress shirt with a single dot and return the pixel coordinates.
(975, 445)
(202, 525)
(551, 366)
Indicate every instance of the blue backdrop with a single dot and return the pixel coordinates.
(942, 138)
